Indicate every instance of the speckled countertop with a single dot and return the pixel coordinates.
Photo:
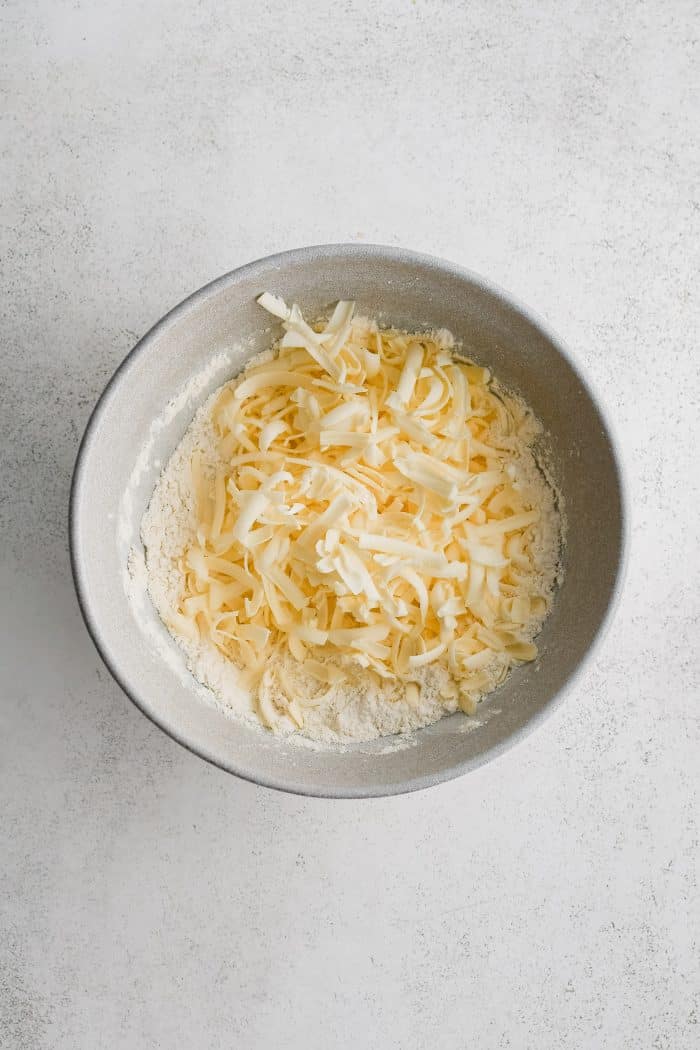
(549, 900)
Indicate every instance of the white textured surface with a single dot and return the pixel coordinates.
(549, 900)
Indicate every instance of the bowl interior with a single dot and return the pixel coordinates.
(221, 323)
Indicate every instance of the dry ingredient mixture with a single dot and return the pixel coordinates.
(354, 537)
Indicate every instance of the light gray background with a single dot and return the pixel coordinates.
(547, 901)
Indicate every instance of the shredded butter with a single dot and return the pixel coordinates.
(368, 514)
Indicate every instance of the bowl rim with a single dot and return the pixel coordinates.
(301, 256)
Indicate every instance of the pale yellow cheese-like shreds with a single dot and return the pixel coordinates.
(365, 512)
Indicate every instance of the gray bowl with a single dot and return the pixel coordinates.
(113, 481)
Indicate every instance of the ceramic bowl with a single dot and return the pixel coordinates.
(131, 435)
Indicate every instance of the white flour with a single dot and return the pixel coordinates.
(168, 527)
(363, 709)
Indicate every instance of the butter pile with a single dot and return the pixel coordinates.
(366, 511)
